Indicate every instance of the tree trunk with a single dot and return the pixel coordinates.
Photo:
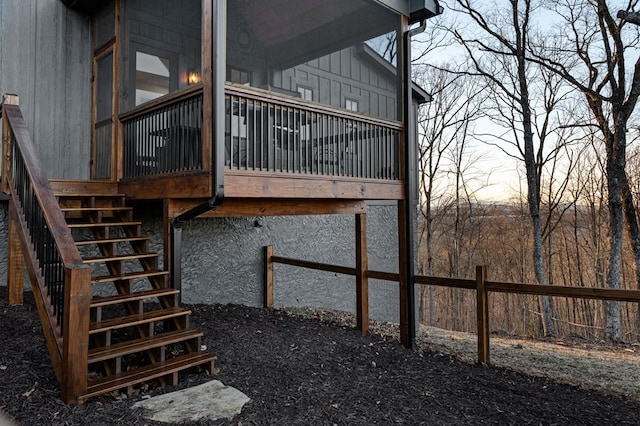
(533, 197)
(615, 177)
(634, 234)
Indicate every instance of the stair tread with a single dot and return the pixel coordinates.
(111, 240)
(128, 378)
(119, 257)
(142, 343)
(127, 276)
(136, 319)
(94, 209)
(140, 295)
(87, 194)
(99, 224)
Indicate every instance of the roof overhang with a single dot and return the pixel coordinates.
(89, 7)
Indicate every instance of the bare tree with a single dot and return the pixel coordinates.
(590, 52)
(456, 104)
(525, 98)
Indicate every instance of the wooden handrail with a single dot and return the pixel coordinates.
(36, 218)
(309, 106)
(160, 103)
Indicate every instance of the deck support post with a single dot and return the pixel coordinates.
(15, 260)
(406, 278)
(362, 281)
(268, 277)
(166, 236)
(176, 257)
(407, 206)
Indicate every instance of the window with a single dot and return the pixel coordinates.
(351, 105)
(160, 42)
(152, 77)
(240, 77)
(305, 93)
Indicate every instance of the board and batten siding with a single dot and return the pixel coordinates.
(342, 75)
(45, 52)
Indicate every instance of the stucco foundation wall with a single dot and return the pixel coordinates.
(223, 260)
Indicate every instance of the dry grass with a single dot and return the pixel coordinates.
(613, 370)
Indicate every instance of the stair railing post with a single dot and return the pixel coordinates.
(5, 164)
(75, 326)
(15, 260)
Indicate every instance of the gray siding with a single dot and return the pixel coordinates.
(46, 60)
(344, 75)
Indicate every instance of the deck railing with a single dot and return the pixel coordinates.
(164, 137)
(263, 132)
(277, 134)
(60, 281)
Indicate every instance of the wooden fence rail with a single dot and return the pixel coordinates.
(481, 285)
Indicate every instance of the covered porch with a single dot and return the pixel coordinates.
(272, 99)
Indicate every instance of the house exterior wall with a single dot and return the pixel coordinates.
(46, 61)
(49, 67)
(344, 75)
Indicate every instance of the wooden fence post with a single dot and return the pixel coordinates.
(268, 277)
(482, 307)
(362, 282)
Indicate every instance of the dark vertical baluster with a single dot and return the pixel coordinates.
(302, 141)
(232, 133)
(383, 132)
(281, 138)
(325, 143)
(244, 123)
(367, 151)
(227, 129)
(389, 139)
(142, 146)
(251, 122)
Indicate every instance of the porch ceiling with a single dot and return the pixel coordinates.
(90, 7)
(290, 32)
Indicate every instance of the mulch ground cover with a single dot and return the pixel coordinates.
(302, 371)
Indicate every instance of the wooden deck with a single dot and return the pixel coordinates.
(252, 184)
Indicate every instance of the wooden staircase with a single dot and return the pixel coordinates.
(137, 332)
